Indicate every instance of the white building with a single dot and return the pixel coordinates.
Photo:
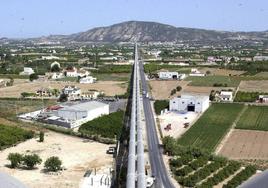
(263, 98)
(75, 73)
(168, 75)
(71, 116)
(195, 72)
(27, 71)
(73, 92)
(189, 102)
(57, 75)
(87, 80)
(226, 96)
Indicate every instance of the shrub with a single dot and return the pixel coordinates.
(31, 160)
(53, 164)
(178, 88)
(33, 77)
(15, 159)
(160, 105)
(41, 136)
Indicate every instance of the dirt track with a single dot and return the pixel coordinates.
(246, 144)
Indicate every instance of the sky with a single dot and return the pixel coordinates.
(34, 18)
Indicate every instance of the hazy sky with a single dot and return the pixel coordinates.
(30, 18)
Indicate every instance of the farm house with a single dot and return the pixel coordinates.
(189, 103)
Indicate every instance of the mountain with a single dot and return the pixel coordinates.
(156, 32)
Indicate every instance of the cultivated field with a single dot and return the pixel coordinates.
(161, 88)
(221, 72)
(211, 80)
(78, 156)
(254, 118)
(211, 127)
(110, 88)
(246, 144)
(254, 85)
(204, 90)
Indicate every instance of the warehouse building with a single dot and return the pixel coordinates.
(189, 103)
(72, 116)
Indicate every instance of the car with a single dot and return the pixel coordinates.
(111, 150)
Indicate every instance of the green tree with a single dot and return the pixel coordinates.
(31, 160)
(178, 88)
(55, 68)
(15, 159)
(33, 77)
(53, 164)
(169, 144)
(41, 136)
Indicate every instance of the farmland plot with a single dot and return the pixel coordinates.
(254, 118)
(208, 131)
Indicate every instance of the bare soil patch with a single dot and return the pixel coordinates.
(221, 72)
(246, 144)
(110, 88)
(204, 90)
(161, 88)
(78, 156)
(254, 86)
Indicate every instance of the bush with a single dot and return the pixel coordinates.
(31, 160)
(160, 105)
(53, 164)
(41, 136)
(33, 77)
(15, 159)
(173, 91)
(178, 88)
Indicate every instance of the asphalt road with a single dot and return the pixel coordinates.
(155, 152)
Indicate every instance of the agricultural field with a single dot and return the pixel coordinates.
(161, 89)
(110, 88)
(211, 127)
(246, 144)
(210, 81)
(242, 96)
(204, 90)
(254, 118)
(254, 86)
(112, 76)
(221, 72)
(191, 167)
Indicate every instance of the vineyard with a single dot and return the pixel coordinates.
(211, 127)
(254, 118)
(194, 168)
(12, 135)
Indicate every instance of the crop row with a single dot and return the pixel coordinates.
(201, 174)
(221, 175)
(240, 177)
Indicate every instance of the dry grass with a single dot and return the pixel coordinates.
(254, 85)
(161, 88)
(77, 155)
(204, 90)
(221, 72)
(110, 88)
(246, 144)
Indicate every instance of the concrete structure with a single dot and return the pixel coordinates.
(91, 94)
(7, 181)
(75, 73)
(57, 75)
(226, 96)
(168, 75)
(73, 92)
(87, 80)
(27, 71)
(195, 72)
(189, 102)
(71, 116)
(263, 98)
